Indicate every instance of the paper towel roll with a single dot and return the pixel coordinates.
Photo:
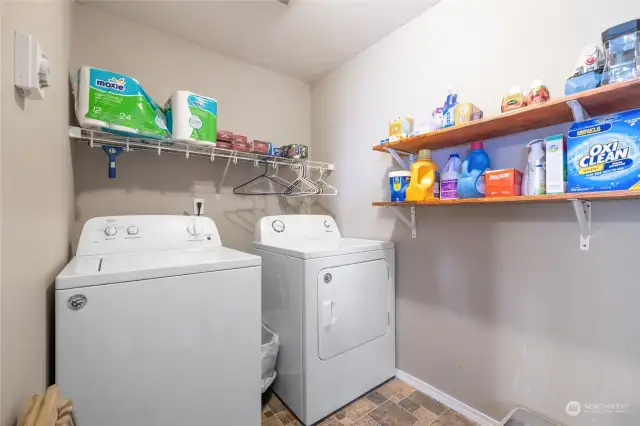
(192, 118)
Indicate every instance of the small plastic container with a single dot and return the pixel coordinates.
(539, 93)
(398, 184)
(622, 52)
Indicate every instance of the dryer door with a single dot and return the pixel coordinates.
(353, 306)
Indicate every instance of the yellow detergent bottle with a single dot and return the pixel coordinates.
(425, 178)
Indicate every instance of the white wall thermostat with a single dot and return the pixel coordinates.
(31, 64)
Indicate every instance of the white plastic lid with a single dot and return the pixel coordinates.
(400, 173)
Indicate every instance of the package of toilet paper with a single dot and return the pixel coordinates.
(117, 103)
(192, 118)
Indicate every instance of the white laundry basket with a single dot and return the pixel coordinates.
(270, 346)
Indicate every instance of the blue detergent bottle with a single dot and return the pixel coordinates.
(471, 181)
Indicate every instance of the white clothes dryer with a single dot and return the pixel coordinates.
(332, 302)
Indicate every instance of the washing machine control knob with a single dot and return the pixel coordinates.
(278, 225)
(110, 231)
(133, 230)
(194, 228)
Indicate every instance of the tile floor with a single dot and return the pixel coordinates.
(394, 403)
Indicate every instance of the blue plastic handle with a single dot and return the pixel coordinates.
(112, 152)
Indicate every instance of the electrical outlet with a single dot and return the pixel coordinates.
(195, 206)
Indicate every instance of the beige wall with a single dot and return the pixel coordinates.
(496, 305)
(37, 201)
(252, 101)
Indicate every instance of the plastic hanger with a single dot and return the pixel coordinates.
(302, 178)
(330, 190)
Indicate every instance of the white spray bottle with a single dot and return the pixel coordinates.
(535, 181)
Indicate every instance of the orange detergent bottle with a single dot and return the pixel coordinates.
(425, 178)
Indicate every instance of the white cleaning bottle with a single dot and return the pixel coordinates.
(449, 178)
(534, 182)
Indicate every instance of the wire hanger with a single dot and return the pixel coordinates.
(238, 190)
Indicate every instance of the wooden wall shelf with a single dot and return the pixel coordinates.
(524, 199)
(581, 203)
(603, 100)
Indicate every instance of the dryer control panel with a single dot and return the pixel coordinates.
(271, 229)
(139, 234)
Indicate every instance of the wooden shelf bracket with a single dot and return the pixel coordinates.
(583, 216)
(411, 223)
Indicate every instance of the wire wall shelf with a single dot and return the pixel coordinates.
(96, 138)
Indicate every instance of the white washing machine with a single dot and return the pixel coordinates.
(157, 324)
(332, 302)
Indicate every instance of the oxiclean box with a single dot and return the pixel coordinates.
(603, 154)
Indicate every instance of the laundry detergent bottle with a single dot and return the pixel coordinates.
(425, 178)
(471, 181)
(449, 178)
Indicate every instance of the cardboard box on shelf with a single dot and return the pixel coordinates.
(603, 153)
(240, 139)
(465, 113)
(295, 151)
(224, 135)
(223, 144)
(503, 183)
(240, 145)
(556, 158)
(261, 147)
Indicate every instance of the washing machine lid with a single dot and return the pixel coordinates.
(85, 271)
(305, 248)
